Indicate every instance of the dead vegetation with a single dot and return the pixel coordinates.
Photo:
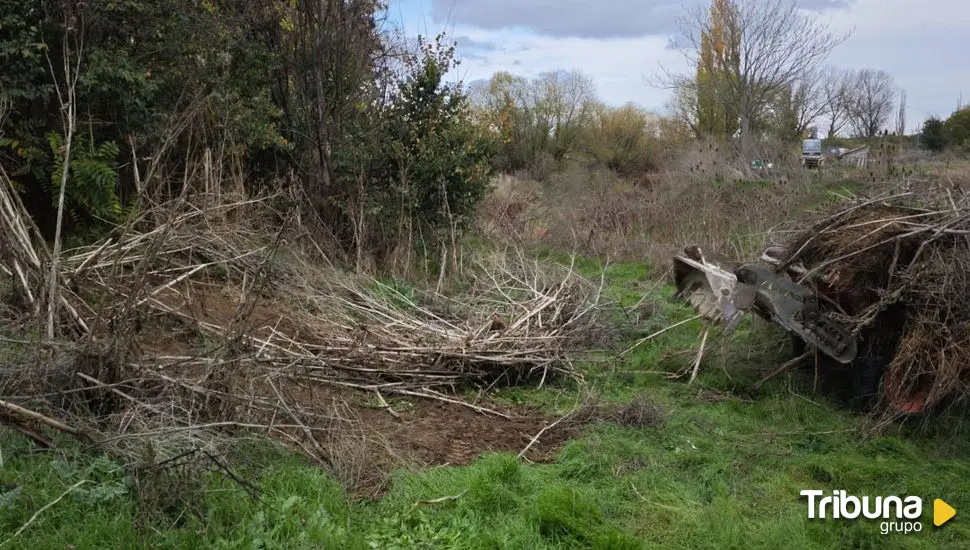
(641, 412)
(704, 200)
(891, 251)
(179, 336)
(895, 270)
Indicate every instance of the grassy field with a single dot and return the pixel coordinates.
(721, 467)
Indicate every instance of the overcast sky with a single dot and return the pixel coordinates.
(923, 44)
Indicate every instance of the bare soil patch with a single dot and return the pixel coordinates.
(439, 434)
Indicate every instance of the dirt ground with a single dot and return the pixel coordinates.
(437, 433)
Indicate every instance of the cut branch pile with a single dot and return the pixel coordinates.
(896, 269)
(262, 339)
(509, 324)
(364, 334)
(23, 255)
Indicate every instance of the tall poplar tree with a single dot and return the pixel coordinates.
(717, 113)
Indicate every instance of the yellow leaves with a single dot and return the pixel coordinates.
(720, 42)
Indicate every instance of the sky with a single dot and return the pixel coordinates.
(624, 44)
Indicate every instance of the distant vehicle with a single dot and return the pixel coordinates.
(812, 153)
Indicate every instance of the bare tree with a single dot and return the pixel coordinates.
(836, 94)
(777, 44)
(542, 118)
(799, 106)
(566, 103)
(683, 106)
(872, 101)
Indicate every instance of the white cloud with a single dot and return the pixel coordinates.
(582, 18)
(618, 66)
(922, 44)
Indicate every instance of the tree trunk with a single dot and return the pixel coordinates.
(745, 135)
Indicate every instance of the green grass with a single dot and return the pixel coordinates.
(724, 470)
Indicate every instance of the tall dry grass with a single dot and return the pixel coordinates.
(700, 199)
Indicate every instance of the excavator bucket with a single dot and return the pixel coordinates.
(711, 288)
(722, 291)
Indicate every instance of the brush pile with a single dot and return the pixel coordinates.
(193, 321)
(896, 270)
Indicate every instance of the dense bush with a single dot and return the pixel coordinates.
(957, 130)
(952, 133)
(544, 122)
(934, 135)
(311, 95)
(137, 65)
(431, 169)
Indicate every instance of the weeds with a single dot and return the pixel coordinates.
(599, 215)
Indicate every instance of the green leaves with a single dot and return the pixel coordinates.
(432, 167)
(954, 132)
(958, 129)
(24, 75)
(92, 184)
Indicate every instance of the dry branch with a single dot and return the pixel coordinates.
(37, 417)
(41, 510)
(896, 273)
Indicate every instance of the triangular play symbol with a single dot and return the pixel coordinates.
(942, 512)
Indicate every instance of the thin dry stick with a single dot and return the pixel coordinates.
(69, 117)
(660, 280)
(535, 439)
(112, 389)
(635, 490)
(28, 433)
(831, 221)
(700, 355)
(658, 333)
(433, 395)
(785, 366)
(37, 514)
(41, 418)
(385, 405)
(439, 499)
(166, 431)
(321, 454)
